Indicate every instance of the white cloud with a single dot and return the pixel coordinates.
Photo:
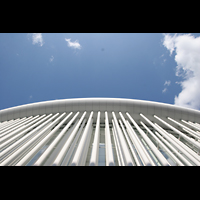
(164, 90)
(187, 49)
(51, 59)
(74, 45)
(167, 83)
(37, 39)
(169, 42)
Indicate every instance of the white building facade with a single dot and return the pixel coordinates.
(99, 132)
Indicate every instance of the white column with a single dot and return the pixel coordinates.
(95, 149)
(56, 140)
(138, 140)
(24, 122)
(16, 122)
(152, 146)
(13, 127)
(71, 150)
(20, 132)
(125, 151)
(32, 140)
(160, 130)
(136, 144)
(137, 161)
(31, 153)
(185, 147)
(118, 147)
(195, 134)
(174, 150)
(177, 145)
(15, 130)
(191, 134)
(191, 124)
(7, 123)
(86, 146)
(108, 144)
(139, 146)
(33, 130)
(80, 149)
(178, 162)
(196, 144)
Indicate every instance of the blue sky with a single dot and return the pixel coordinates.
(147, 66)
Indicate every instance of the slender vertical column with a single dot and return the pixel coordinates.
(152, 146)
(7, 123)
(130, 145)
(24, 122)
(142, 154)
(16, 130)
(95, 150)
(20, 132)
(117, 151)
(21, 149)
(119, 148)
(25, 138)
(131, 134)
(160, 130)
(174, 150)
(178, 162)
(80, 148)
(86, 146)
(125, 150)
(140, 143)
(192, 134)
(194, 154)
(42, 158)
(177, 145)
(31, 153)
(191, 124)
(179, 133)
(183, 126)
(15, 122)
(108, 144)
(71, 150)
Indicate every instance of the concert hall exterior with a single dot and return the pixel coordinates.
(99, 131)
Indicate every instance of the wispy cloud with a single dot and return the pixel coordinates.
(74, 44)
(187, 50)
(166, 84)
(37, 39)
(164, 90)
(51, 59)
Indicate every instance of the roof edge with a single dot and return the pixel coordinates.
(101, 99)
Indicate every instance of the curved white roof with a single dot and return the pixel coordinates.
(99, 131)
(133, 106)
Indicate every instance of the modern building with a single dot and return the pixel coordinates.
(99, 131)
